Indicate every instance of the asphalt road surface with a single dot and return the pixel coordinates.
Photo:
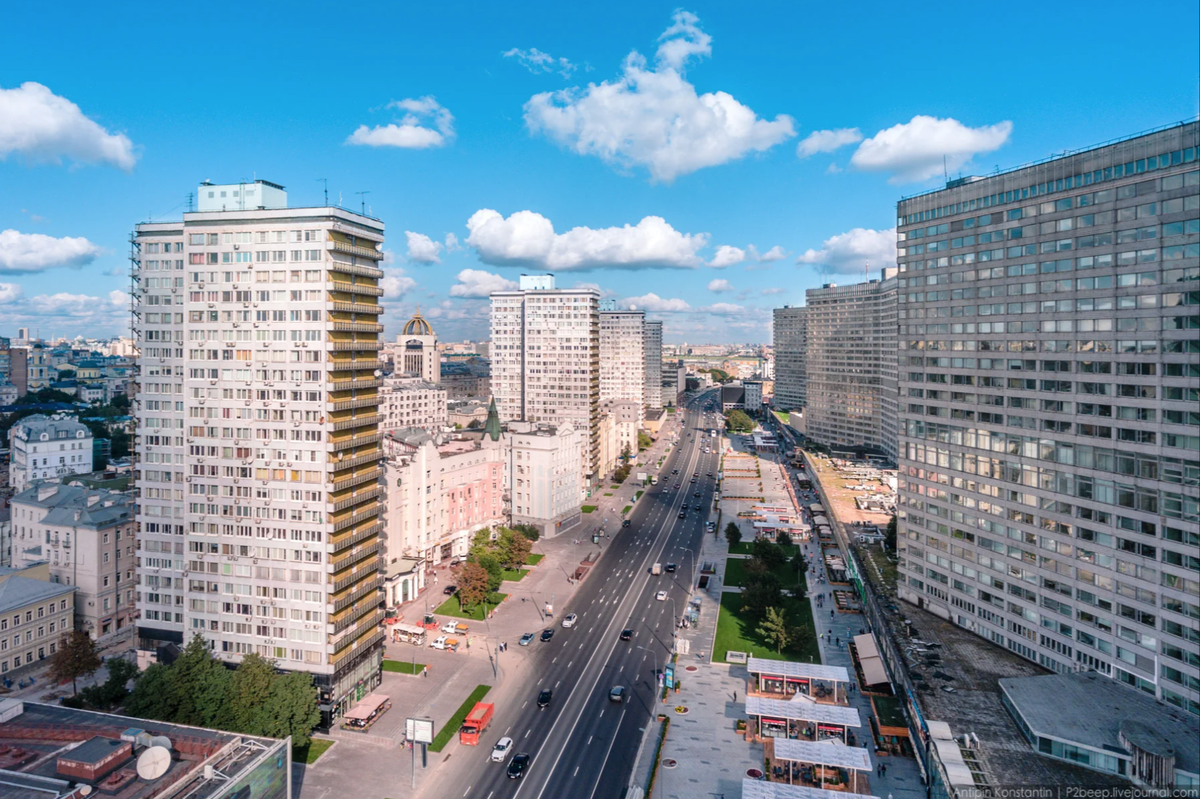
(584, 745)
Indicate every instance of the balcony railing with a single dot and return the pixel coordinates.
(356, 383)
(345, 405)
(357, 288)
(362, 644)
(347, 346)
(355, 364)
(359, 497)
(356, 517)
(358, 593)
(363, 569)
(359, 479)
(361, 252)
(353, 538)
(356, 441)
(355, 555)
(357, 421)
(357, 611)
(356, 327)
(356, 307)
(357, 460)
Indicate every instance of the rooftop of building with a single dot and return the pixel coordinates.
(1095, 711)
(53, 427)
(417, 326)
(18, 592)
(39, 735)
(77, 506)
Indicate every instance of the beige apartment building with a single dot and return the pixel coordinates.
(34, 614)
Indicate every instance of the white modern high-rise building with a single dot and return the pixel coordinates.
(623, 358)
(654, 364)
(850, 385)
(546, 359)
(790, 339)
(257, 435)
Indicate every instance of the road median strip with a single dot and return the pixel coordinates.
(446, 733)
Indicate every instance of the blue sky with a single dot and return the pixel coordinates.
(753, 151)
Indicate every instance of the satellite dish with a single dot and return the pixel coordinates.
(160, 740)
(85, 790)
(153, 763)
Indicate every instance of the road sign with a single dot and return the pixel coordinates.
(419, 730)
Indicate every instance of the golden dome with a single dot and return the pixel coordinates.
(417, 326)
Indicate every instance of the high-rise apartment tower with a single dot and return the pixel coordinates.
(790, 339)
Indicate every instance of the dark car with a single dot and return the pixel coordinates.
(697, 494)
(518, 765)
(710, 474)
(625, 523)
(626, 635)
(547, 634)
(544, 698)
(674, 471)
(448, 590)
(684, 506)
(683, 514)
(670, 567)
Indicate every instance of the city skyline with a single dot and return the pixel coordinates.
(477, 140)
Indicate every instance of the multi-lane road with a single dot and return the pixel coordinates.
(584, 745)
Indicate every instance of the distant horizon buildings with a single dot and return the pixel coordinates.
(1048, 423)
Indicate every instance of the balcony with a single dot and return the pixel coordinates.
(353, 614)
(356, 327)
(354, 518)
(368, 568)
(355, 499)
(354, 364)
(348, 346)
(362, 644)
(353, 538)
(355, 384)
(357, 421)
(358, 479)
(358, 593)
(357, 288)
(357, 460)
(359, 252)
(345, 405)
(354, 441)
(356, 307)
(356, 555)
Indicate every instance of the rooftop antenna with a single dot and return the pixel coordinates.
(867, 270)
(945, 171)
(326, 182)
(339, 199)
(191, 198)
(363, 196)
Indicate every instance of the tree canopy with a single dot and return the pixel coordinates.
(739, 422)
(75, 657)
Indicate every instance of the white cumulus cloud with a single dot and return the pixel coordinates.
(10, 292)
(719, 285)
(425, 123)
(724, 308)
(34, 252)
(772, 291)
(727, 256)
(847, 253)
(826, 141)
(527, 238)
(42, 126)
(396, 284)
(656, 304)
(653, 117)
(914, 151)
(422, 249)
(477, 283)
(538, 62)
(776, 253)
(452, 244)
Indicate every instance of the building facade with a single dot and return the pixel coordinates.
(623, 357)
(34, 614)
(654, 364)
(47, 448)
(546, 359)
(258, 435)
(850, 330)
(415, 351)
(753, 399)
(14, 368)
(546, 486)
(87, 537)
(1048, 419)
(790, 339)
(410, 401)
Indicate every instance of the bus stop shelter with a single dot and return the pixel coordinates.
(786, 678)
(819, 764)
(800, 719)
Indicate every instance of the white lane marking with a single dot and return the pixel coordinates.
(558, 683)
(604, 763)
(589, 740)
(575, 774)
(469, 787)
(528, 731)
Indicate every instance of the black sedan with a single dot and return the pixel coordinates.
(683, 514)
(544, 698)
(626, 635)
(518, 765)
(547, 634)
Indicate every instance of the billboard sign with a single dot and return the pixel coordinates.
(419, 730)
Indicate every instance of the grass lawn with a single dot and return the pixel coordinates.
(588, 509)
(638, 495)
(782, 417)
(309, 754)
(736, 632)
(514, 575)
(747, 547)
(887, 710)
(454, 722)
(451, 607)
(402, 666)
(735, 573)
(626, 509)
(607, 494)
(534, 560)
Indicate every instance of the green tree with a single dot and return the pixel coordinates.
(250, 688)
(153, 695)
(495, 569)
(200, 685)
(783, 538)
(777, 630)
(121, 402)
(644, 441)
(473, 581)
(761, 592)
(291, 708)
(733, 534)
(76, 657)
(530, 531)
(770, 554)
(474, 424)
(798, 563)
(621, 474)
(889, 536)
(739, 422)
(112, 691)
(518, 550)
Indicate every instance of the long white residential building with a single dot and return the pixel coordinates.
(257, 435)
(654, 364)
(623, 357)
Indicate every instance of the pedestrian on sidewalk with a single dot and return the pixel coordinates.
(425, 672)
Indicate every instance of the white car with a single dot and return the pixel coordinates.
(661, 596)
(569, 620)
(501, 749)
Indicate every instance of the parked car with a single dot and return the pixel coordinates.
(518, 765)
(547, 634)
(525, 639)
(569, 620)
(449, 590)
(501, 749)
(625, 523)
